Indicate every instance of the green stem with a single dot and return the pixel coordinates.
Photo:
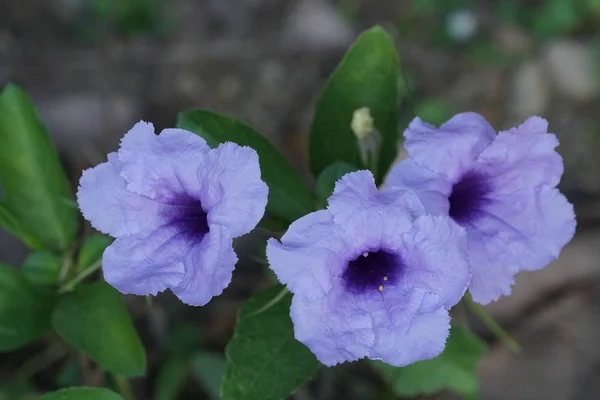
(492, 325)
(67, 264)
(124, 387)
(67, 287)
(271, 303)
(41, 361)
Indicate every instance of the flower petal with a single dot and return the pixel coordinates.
(231, 191)
(208, 268)
(522, 157)
(368, 215)
(160, 166)
(492, 267)
(146, 263)
(451, 149)
(336, 328)
(432, 188)
(399, 342)
(312, 253)
(525, 230)
(104, 200)
(434, 253)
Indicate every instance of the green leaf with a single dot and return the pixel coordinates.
(557, 17)
(93, 319)
(171, 378)
(12, 225)
(366, 77)
(289, 198)
(36, 191)
(264, 361)
(454, 369)
(91, 251)
(327, 179)
(433, 111)
(42, 268)
(82, 393)
(24, 309)
(209, 370)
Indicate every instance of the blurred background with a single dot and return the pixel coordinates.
(95, 67)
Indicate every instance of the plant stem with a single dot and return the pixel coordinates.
(67, 287)
(492, 325)
(41, 361)
(124, 387)
(65, 269)
(271, 303)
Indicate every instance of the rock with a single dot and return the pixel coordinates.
(512, 40)
(560, 354)
(571, 66)
(461, 24)
(316, 24)
(529, 91)
(85, 126)
(577, 263)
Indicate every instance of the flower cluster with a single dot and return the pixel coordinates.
(376, 272)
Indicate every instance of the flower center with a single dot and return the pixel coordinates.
(189, 217)
(467, 197)
(372, 271)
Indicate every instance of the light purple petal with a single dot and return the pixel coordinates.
(407, 330)
(451, 149)
(434, 254)
(432, 188)
(104, 200)
(369, 216)
(492, 266)
(336, 328)
(160, 166)
(522, 157)
(146, 263)
(231, 191)
(208, 268)
(541, 221)
(525, 230)
(312, 253)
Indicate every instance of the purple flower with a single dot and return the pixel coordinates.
(371, 275)
(174, 206)
(500, 188)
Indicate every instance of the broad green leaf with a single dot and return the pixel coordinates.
(433, 111)
(264, 361)
(209, 370)
(327, 179)
(366, 77)
(36, 191)
(12, 225)
(42, 268)
(93, 319)
(289, 198)
(24, 309)
(557, 17)
(454, 369)
(171, 378)
(91, 251)
(82, 393)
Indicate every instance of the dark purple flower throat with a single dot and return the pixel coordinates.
(467, 197)
(190, 218)
(372, 271)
